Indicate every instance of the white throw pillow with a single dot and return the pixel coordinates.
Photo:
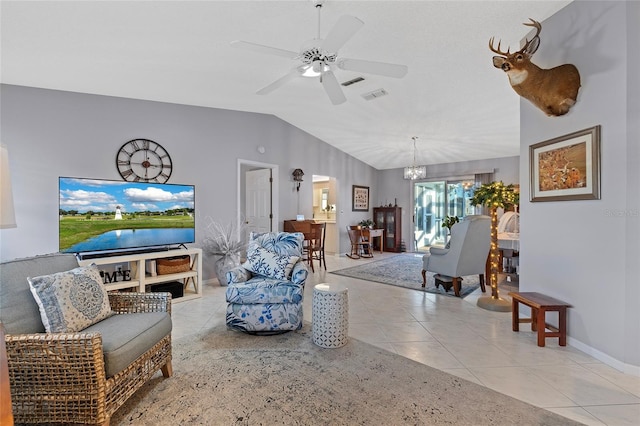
(71, 301)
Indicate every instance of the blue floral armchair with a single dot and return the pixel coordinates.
(264, 294)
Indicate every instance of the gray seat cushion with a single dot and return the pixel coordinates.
(125, 337)
(19, 311)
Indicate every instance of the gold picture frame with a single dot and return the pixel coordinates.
(567, 167)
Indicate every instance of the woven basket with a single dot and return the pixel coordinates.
(173, 265)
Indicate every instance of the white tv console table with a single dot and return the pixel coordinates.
(140, 279)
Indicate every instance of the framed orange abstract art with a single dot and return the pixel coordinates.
(567, 167)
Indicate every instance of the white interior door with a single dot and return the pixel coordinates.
(257, 213)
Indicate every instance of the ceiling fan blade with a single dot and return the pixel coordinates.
(371, 67)
(332, 87)
(279, 82)
(342, 31)
(239, 44)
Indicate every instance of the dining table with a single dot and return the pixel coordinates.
(509, 241)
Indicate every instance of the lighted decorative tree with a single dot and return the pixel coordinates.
(495, 195)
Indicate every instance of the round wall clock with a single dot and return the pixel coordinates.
(143, 160)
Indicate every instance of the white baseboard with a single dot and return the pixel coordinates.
(633, 370)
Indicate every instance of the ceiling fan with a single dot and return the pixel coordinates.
(319, 58)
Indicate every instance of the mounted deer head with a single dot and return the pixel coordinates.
(553, 90)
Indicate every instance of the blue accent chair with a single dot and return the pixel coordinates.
(265, 293)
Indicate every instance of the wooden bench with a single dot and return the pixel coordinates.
(540, 304)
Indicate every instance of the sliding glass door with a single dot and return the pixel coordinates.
(433, 201)
(429, 212)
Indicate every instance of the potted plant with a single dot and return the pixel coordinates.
(448, 222)
(495, 195)
(224, 241)
(366, 223)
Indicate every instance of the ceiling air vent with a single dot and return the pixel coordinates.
(375, 94)
(354, 81)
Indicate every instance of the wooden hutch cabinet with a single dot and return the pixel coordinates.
(389, 219)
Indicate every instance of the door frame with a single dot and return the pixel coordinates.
(274, 190)
(447, 180)
(413, 200)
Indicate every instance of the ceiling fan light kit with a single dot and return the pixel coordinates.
(313, 70)
(320, 58)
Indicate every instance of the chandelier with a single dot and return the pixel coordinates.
(415, 172)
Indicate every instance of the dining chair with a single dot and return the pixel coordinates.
(319, 233)
(359, 246)
(304, 227)
(313, 242)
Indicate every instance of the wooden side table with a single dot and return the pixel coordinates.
(540, 304)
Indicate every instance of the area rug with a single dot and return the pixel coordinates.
(404, 270)
(224, 377)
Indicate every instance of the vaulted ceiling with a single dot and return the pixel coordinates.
(452, 99)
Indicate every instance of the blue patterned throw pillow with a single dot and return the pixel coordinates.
(269, 264)
(279, 242)
(71, 301)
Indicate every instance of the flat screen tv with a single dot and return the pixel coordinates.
(109, 216)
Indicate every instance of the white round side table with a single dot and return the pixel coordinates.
(330, 315)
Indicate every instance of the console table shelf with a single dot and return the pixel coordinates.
(140, 280)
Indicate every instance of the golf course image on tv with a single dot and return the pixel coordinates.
(105, 215)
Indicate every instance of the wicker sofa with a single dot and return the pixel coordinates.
(81, 377)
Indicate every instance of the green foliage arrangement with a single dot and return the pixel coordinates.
(366, 223)
(449, 221)
(496, 195)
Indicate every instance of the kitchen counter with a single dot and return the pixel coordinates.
(321, 220)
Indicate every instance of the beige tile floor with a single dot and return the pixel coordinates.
(456, 336)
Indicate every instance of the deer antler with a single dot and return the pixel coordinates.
(533, 23)
(538, 28)
(497, 50)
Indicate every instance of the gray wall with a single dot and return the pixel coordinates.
(586, 252)
(53, 133)
(391, 185)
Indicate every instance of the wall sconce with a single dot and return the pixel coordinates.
(297, 177)
(7, 213)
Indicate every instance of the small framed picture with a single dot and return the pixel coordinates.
(567, 167)
(360, 197)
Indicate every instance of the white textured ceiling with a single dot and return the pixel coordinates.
(458, 105)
